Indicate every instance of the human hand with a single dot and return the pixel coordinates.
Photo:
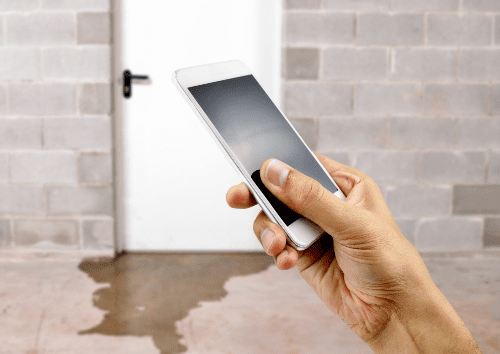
(363, 269)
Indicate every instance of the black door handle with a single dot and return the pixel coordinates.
(127, 82)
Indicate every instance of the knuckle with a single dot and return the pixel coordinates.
(367, 178)
(361, 176)
(311, 195)
(260, 220)
(370, 182)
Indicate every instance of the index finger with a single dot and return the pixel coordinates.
(239, 197)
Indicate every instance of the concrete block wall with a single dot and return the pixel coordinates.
(55, 125)
(407, 91)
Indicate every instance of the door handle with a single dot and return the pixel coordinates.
(127, 82)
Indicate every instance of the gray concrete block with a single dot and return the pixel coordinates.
(42, 99)
(424, 64)
(495, 97)
(421, 133)
(355, 63)
(459, 30)
(95, 98)
(419, 200)
(98, 234)
(340, 156)
(388, 166)
(352, 133)
(46, 234)
(494, 167)
(20, 133)
(5, 234)
(386, 99)
(476, 199)
(19, 64)
(481, 5)
(94, 28)
(77, 63)
(3, 100)
(302, 63)
(15, 199)
(491, 237)
(19, 5)
(25, 29)
(4, 167)
(480, 64)
(426, 5)
(314, 99)
(80, 200)
(357, 4)
(454, 166)
(307, 129)
(53, 167)
(309, 28)
(449, 234)
(78, 133)
(302, 4)
(390, 29)
(458, 99)
(95, 168)
(478, 133)
(76, 4)
(407, 228)
(497, 29)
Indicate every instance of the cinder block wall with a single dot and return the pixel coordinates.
(407, 91)
(55, 125)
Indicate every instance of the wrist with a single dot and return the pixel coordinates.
(428, 323)
(395, 338)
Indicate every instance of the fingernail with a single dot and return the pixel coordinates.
(276, 172)
(267, 237)
(282, 255)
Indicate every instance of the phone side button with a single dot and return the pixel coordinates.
(305, 232)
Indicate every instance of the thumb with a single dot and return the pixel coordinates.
(309, 198)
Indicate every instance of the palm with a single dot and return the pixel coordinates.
(319, 267)
(337, 274)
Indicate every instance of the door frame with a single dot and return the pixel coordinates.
(118, 148)
(117, 127)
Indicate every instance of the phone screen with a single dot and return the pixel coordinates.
(255, 130)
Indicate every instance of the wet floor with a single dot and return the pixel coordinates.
(204, 303)
(149, 293)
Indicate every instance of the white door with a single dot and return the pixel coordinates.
(172, 178)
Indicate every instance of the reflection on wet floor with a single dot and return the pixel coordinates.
(148, 293)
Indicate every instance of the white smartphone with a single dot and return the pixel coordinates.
(249, 129)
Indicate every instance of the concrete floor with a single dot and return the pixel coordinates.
(203, 303)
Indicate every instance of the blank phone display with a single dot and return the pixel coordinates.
(255, 130)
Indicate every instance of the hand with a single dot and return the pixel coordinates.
(373, 272)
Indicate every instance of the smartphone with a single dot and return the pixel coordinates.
(249, 129)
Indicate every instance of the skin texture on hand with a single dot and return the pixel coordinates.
(364, 269)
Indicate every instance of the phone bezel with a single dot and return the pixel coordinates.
(213, 72)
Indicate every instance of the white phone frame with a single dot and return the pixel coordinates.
(302, 233)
